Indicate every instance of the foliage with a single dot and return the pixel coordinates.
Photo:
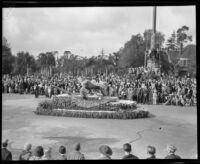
(160, 38)
(178, 38)
(94, 114)
(166, 66)
(46, 104)
(183, 37)
(67, 107)
(132, 55)
(23, 62)
(171, 44)
(46, 61)
(79, 104)
(7, 57)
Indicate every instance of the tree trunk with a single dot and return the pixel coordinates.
(181, 49)
(50, 70)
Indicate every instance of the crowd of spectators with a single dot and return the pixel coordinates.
(105, 153)
(144, 85)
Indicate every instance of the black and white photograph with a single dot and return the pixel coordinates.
(99, 82)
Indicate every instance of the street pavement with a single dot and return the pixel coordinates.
(167, 124)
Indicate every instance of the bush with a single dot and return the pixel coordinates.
(47, 104)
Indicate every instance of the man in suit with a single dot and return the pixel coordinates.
(5, 153)
(62, 153)
(127, 152)
(76, 154)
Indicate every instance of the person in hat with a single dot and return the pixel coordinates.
(76, 154)
(62, 153)
(5, 153)
(127, 152)
(38, 153)
(151, 150)
(171, 149)
(105, 152)
(26, 153)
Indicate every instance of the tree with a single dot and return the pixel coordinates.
(7, 57)
(114, 60)
(166, 66)
(51, 61)
(160, 38)
(46, 61)
(24, 63)
(183, 37)
(171, 44)
(132, 55)
(90, 64)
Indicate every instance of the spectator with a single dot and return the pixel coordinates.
(26, 153)
(154, 97)
(127, 151)
(76, 154)
(5, 153)
(62, 153)
(139, 86)
(151, 150)
(171, 149)
(47, 154)
(36, 91)
(105, 152)
(38, 153)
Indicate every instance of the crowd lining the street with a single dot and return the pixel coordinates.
(143, 85)
(105, 153)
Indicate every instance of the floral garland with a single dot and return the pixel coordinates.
(94, 114)
(67, 107)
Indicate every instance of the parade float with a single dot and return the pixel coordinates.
(96, 106)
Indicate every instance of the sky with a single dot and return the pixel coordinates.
(85, 31)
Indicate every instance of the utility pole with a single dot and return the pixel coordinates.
(153, 38)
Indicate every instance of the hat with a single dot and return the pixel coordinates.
(151, 149)
(77, 146)
(127, 147)
(106, 150)
(171, 148)
(5, 143)
(39, 151)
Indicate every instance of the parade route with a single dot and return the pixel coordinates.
(167, 124)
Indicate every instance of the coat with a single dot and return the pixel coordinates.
(105, 158)
(130, 156)
(172, 156)
(62, 157)
(24, 155)
(75, 155)
(6, 154)
(152, 157)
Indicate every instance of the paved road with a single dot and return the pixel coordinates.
(168, 124)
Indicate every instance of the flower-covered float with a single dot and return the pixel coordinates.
(102, 107)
